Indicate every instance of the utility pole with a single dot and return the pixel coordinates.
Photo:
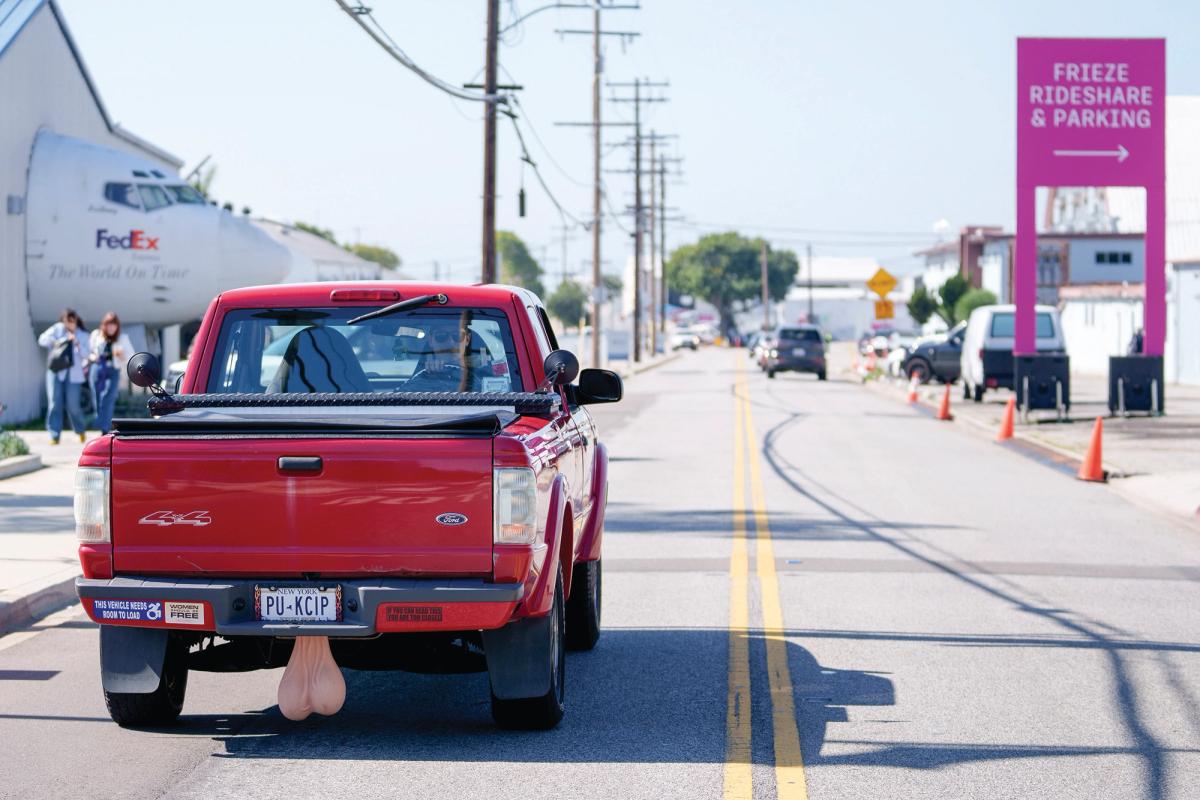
(662, 247)
(639, 209)
(766, 297)
(811, 320)
(489, 144)
(597, 148)
(652, 215)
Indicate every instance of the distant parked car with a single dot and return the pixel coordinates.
(798, 348)
(987, 358)
(936, 357)
(682, 337)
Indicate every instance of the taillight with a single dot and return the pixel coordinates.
(91, 505)
(514, 505)
(981, 354)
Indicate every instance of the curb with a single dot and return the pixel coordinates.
(19, 465)
(31, 607)
(649, 365)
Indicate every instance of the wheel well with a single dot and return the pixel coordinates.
(566, 550)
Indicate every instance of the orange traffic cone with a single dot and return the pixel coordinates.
(944, 408)
(1006, 424)
(1092, 468)
(912, 390)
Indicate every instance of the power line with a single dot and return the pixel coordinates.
(360, 13)
(528, 159)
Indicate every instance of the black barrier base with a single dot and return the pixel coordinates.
(1042, 381)
(1135, 383)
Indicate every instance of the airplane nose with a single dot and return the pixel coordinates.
(249, 257)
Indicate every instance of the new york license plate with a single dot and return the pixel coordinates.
(298, 603)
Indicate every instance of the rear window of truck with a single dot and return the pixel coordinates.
(307, 350)
(1004, 324)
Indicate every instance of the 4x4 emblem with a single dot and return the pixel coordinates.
(197, 518)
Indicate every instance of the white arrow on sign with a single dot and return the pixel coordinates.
(1121, 153)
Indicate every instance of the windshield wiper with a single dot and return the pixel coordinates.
(403, 305)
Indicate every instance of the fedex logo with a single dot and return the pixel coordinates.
(136, 240)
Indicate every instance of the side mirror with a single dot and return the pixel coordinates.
(599, 386)
(561, 367)
(144, 370)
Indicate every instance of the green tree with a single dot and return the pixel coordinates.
(568, 303)
(971, 301)
(921, 306)
(324, 233)
(723, 268)
(381, 255)
(517, 266)
(949, 293)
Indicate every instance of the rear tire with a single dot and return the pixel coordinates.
(979, 390)
(583, 609)
(966, 390)
(919, 368)
(160, 707)
(821, 375)
(770, 373)
(541, 713)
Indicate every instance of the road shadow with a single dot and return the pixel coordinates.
(642, 696)
(622, 517)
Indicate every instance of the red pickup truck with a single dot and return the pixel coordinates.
(409, 470)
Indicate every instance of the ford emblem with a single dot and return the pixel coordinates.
(451, 519)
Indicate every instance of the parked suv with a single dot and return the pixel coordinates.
(987, 357)
(799, 348)
(936, 357)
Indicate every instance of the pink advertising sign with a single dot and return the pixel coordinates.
(1090, 112)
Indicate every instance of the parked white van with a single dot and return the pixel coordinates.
(987, 359)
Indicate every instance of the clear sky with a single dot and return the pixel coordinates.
(873, 117)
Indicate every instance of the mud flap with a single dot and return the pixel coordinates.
(131, 659)
(518, 658)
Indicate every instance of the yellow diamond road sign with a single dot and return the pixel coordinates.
(881, 282)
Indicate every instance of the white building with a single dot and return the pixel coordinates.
(841, 302)
(315, 258)
(94, 217)
(1099, 321)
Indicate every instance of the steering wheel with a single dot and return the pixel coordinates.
(450, 373)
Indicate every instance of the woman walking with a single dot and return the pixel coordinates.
(110, 350)
(64, 373)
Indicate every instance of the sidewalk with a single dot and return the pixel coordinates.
(38, 563)
(1154, 461)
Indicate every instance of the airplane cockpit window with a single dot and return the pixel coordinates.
(182, 193)
(153, 196)
(122, 193)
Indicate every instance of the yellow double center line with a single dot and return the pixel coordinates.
(789, 764)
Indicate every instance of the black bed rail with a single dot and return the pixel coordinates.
(533, 403)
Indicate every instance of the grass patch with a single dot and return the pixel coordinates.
(12, 445)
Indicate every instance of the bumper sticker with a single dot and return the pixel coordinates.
(128, 610)
(183, 613)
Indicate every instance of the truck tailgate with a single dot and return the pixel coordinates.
(226, 506)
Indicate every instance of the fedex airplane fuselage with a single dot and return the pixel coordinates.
(109, 231)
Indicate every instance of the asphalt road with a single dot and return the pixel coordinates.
(809, 590)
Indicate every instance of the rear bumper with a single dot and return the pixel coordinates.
(798, 364)
(367, 607)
